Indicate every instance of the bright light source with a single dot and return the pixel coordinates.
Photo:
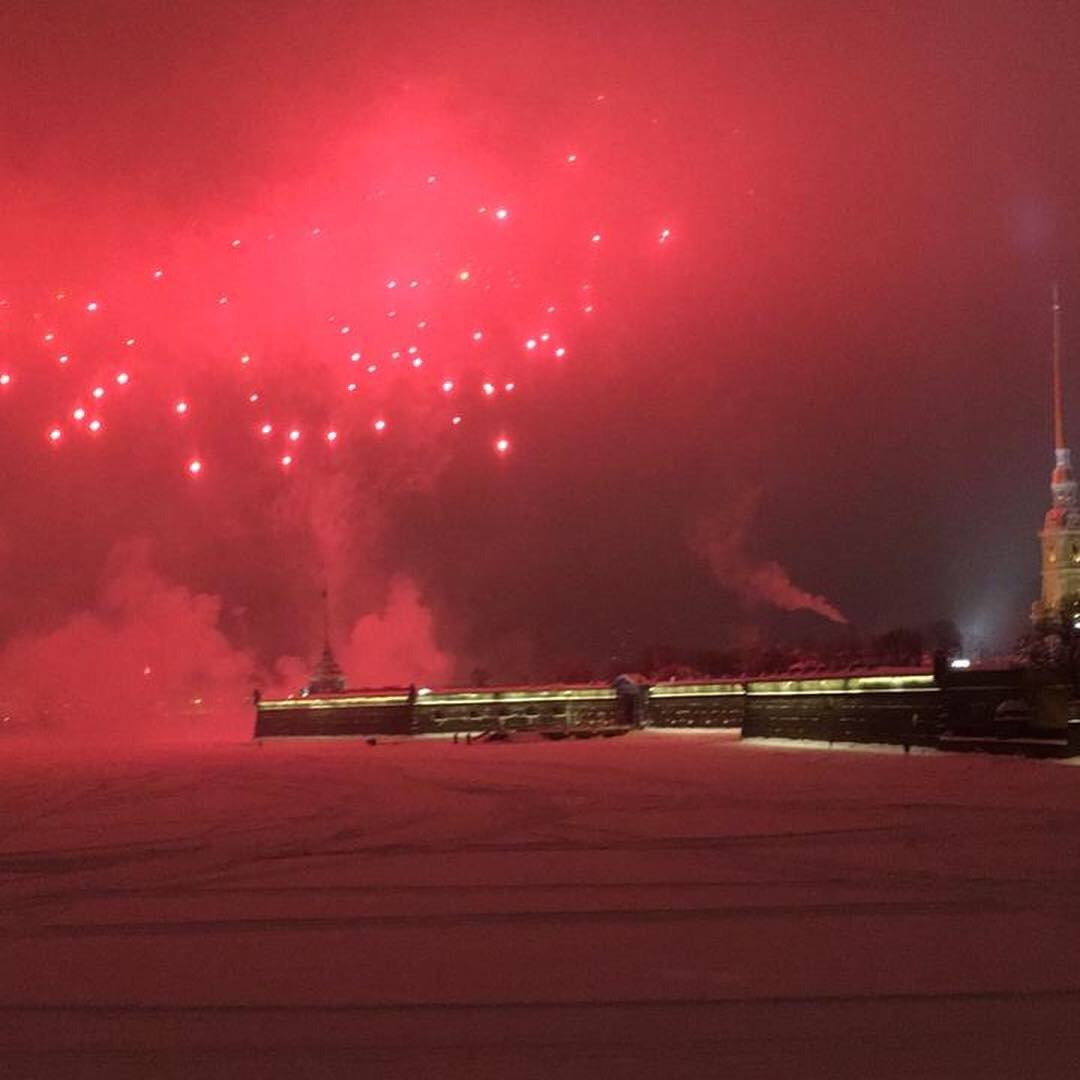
(181, 408)
(502, 445)
(379, 425)
(960, 663)
(194, 467)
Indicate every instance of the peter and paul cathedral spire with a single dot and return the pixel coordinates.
(1060, 536)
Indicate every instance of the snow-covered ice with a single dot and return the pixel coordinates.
(665, 904)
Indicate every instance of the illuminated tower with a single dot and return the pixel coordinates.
(1060, 534)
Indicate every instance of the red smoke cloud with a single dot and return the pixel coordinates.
(150, 662)
(722, 541)
(396, 646)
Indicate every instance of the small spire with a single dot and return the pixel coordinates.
(327, 676)
(1059, 424)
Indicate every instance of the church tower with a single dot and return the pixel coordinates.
(1060, 536)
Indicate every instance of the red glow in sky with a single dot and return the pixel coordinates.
(281, 295)
(671, 255)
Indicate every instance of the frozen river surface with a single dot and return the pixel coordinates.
(660, 905)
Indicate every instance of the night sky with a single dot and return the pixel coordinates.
(799, 257)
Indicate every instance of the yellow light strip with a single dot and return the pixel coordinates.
(668, 690)
(332, 703)
(552, 697)
(832, 693)
(855, 684)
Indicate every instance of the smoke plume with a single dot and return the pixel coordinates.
(396, 646)
(149, 662)
(722, 540)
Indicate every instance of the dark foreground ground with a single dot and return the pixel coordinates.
(661, 905)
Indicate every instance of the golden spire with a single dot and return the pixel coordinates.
(1059, 426)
